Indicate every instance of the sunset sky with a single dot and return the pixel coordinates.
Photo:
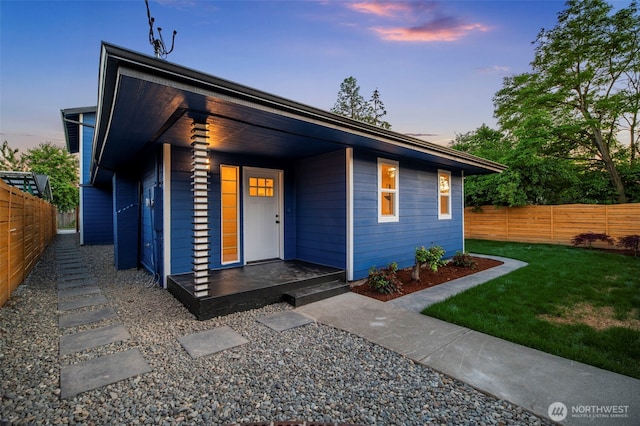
(437, 65)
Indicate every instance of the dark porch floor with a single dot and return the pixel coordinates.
(254, 286)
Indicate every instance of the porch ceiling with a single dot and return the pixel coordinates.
(150, 113)
(145, 101)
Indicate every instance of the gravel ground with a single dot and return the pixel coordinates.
(314, 373)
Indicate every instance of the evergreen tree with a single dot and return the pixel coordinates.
(377, 111)
(350, 103)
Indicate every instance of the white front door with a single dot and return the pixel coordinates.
(262, 222)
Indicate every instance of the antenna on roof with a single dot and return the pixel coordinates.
(159, 48)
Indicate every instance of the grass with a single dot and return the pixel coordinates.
(557, 280)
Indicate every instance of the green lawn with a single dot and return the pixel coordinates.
(558, 279)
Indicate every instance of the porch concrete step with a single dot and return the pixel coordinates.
(314, 293)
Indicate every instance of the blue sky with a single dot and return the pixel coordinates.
(437, 65)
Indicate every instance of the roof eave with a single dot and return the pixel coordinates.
(113, 57)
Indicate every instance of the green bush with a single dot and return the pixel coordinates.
(385, 280)
(433, 256)
(464, 260)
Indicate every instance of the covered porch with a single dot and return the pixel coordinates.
(256, 285)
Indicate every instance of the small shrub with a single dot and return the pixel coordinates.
(385, 280)
(630, 242)
(433, 256)
(588, 238)
(464, 260)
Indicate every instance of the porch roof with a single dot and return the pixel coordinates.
(144, 101)
(70, 122)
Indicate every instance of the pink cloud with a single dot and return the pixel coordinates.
(433, 25)
(429, 32)
(380, 9)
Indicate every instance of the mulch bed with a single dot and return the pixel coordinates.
(427, 278)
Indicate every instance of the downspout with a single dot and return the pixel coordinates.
(81, 178)
(166, 212)
(464, 250)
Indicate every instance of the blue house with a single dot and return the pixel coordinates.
(187, 174)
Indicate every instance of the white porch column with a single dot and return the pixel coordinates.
(200, 226)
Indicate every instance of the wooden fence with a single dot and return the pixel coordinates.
(27, 226)
(551, 224)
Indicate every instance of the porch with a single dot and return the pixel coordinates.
(257, 285)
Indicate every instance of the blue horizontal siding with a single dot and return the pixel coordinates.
(321, 209)
(97, 217)
(378, 244)
(126, 201)
(182, 202)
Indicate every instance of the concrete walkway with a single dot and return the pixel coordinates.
(565, 391)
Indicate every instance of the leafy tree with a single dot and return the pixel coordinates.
(351, 103)
(62, 169)
(531, 177)
(10, 160)
(583, 90)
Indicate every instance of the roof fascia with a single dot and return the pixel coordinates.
(114, 57)
(70, 117)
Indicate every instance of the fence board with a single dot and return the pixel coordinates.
(551, 224)
(27, 226)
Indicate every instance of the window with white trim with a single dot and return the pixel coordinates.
(388, 190)
(229, 188)
(444, 194)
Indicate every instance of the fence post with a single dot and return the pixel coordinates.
(506, 220)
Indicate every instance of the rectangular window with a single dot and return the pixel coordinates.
(229, 202)
(444, 194)
(388, 190)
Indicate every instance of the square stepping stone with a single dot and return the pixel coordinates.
(70, 263)
(64, 273)
(68, 257)
(77, 291)
(211, 341)
(86, 317)
(76, 342)
(101, 371)
(75, 276)
(284, 320)
(82, 302)
(63, 285)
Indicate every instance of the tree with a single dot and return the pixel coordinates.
(350, 103)
(531, 176)
(10, 160)
(62, 169)
(582, 90)
(377, 111)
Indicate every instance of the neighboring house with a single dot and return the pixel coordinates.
(95, 218)
(184, 172)
(32, 183)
